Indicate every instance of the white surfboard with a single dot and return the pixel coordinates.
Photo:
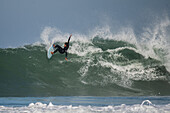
(51, 49)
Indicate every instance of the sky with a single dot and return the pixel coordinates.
(22, 21)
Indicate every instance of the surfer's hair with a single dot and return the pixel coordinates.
(66, 43)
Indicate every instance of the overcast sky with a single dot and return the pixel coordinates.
(22, 21)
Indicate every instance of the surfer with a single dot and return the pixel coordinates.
(62, 50)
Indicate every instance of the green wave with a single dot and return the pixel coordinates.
(106, 68)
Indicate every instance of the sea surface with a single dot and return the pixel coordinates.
(82, 104)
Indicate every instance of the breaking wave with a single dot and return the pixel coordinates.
(101, 63)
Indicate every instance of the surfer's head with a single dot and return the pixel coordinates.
(66, 44)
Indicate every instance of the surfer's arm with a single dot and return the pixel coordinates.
(69, 38)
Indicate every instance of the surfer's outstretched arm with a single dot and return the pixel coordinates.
(69, 38)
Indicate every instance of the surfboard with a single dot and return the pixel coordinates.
(51, 49)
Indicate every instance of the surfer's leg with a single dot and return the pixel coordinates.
(59, 48)
(55, 50)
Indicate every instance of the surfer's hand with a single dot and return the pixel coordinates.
(66, 59)
(70, 35)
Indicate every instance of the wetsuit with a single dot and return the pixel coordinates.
(63, 50)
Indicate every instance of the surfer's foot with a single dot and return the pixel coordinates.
(52, 52)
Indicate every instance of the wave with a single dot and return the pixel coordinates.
(100, 64)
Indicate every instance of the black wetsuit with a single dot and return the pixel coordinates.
(63, 50)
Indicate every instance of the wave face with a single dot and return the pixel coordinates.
(102, 64)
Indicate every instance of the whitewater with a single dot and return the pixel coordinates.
(85, 105)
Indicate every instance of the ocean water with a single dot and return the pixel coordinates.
(105, 72)
(74, 104)
(98, 66)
